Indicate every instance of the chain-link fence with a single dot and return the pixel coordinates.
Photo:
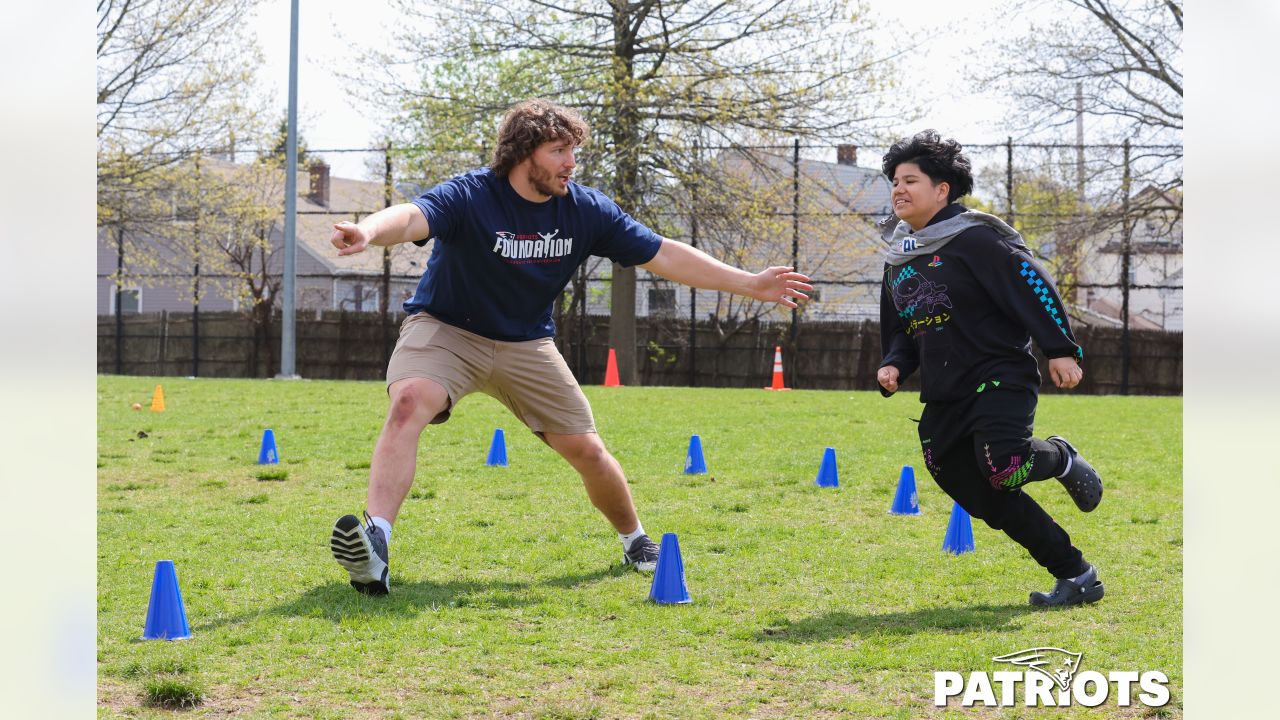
(1106, 219)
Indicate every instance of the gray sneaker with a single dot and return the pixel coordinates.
(1081, 481)
(643, 554)
(362, 551)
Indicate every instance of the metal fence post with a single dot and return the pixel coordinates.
(693, 291)
(795, 233)
(195, 283)
(385, 304)
(119, 299)
(1126, 261)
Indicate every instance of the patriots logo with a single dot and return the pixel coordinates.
(1058, 664)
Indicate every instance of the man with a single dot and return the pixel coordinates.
(508, 239)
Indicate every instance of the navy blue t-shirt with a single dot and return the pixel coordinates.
(500, 262)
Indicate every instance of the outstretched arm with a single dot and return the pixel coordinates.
(389, 226)
(688, 265)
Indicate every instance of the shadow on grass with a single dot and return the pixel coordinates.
(984, 618)
(336, 600)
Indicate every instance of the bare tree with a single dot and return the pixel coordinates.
(1127, 57)
(652, 76)
(1123, 57)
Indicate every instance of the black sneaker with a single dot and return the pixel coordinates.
(1085, 589)
(1081, 481)
(643, 554)
(363, 552)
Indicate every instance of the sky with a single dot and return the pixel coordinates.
(945, 38)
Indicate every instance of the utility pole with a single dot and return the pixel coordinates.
(1072, 252)
(1080, 147)
(288, 338)
(1008, 177)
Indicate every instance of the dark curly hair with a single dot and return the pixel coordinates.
(529, 124)
(942, 160)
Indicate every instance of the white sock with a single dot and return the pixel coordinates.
(628, 538)
(384, 526)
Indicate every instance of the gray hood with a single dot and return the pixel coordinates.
(902, 244)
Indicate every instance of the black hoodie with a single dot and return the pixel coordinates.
(965, 316)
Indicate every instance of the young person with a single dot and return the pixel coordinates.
(507, 240)
(961, 299)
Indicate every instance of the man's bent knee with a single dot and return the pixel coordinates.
(415, 402)
(584, 449)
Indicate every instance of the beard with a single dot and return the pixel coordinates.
(546, 182)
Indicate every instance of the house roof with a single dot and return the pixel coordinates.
(350, 200)
(1110, 312)
(845, 188)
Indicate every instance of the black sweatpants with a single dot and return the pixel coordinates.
(980, 451)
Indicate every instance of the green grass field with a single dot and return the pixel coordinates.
(508, 599)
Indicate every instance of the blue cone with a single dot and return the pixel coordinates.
(959, 539)
(828, 475)
(905, 501)
(694, 463)
(497, 450)
(268, 455)
(669, 587)
(166, 615)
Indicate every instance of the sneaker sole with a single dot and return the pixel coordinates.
(351, 548)
(644, 567)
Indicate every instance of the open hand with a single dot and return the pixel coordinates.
(781, 285)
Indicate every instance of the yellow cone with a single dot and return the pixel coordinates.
(157, 400)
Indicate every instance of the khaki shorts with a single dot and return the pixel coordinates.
(530, 377)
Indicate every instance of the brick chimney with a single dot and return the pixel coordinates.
(319, 192)
(847, 154)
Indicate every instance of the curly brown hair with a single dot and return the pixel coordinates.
(529, 124)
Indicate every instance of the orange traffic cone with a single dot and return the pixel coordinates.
(777, 370)
(157, 400)
(611, 371)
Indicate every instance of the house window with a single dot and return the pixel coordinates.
(358, 297)
(130, 301)
(662, 301)
(358, 293)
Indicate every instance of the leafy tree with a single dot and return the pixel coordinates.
(172, 76)
(280, 146)
(1049, 216)
(227, 215)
